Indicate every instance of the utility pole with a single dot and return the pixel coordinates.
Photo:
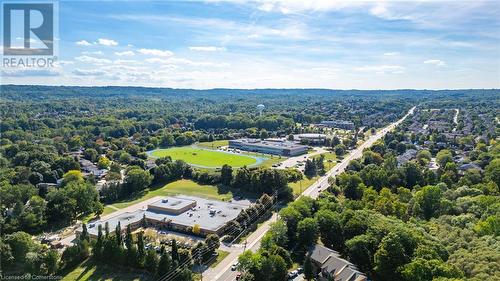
(245, 245)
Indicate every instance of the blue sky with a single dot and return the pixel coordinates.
(275, 44)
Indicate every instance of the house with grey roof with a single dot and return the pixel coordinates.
(469, 166)
(406, 157)
(329, 265)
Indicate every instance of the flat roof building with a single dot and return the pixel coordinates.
(277, 147)
(172, 205)
(310, 138)
(177, 213)
(341, 124)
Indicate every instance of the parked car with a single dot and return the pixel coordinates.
(157, 249)
(292, 274)
(234, 266)
(238, 276)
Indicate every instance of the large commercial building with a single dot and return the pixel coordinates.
(177, 213)
(317, 139)
(340, 124)
(277, 147)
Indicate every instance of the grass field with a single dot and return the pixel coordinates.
(184, 187)
(222, 255)
(330, 159)
(89, 271)
(299, 186)
(213, 144)
(205, 158)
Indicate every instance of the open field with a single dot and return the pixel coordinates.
(330, 159)
(302, 185)
(89, 271)
(205, 158)
(185, 187)
(268, 159)
(222, 255)
(328, 156)
(213, 144)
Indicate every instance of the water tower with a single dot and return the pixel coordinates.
(260, 108)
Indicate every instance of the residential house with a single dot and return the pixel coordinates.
(406, 157)
(469, 166)
(328, 265)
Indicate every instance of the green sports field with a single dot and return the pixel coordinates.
(205, 158)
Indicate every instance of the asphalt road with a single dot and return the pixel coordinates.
(322, 183)
(223, 272)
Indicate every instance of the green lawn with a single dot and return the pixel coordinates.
(213, 144)
(107, 210)
(299, 186)
(222, 255)
(89, 271)
(205, 158)
(330, 159)
(183, 187)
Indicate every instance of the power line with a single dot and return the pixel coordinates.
(176, 270)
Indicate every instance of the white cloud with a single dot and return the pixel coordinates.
(30, 72)
(125, 53)
(382, 69)
(183, 61)
(126, 62)
(435, 62)
(92, 53)
(92, 60)
(86, 72)
(156, 52)
(156, 60)
(379, 10)
(391, 54)
(64, 62)
(83, 43)
(107, 42)
(207, 48)
(292, 7)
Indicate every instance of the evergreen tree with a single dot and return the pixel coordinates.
(140, 247)
(118, 235)
(97, 250)
(144, 222)
(165, 264)
(84, 235)
(106, 229)
(128, 237)
(151, 261)
(175, 251)
(308, 270)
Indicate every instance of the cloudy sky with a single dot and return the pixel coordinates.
(275, 44)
